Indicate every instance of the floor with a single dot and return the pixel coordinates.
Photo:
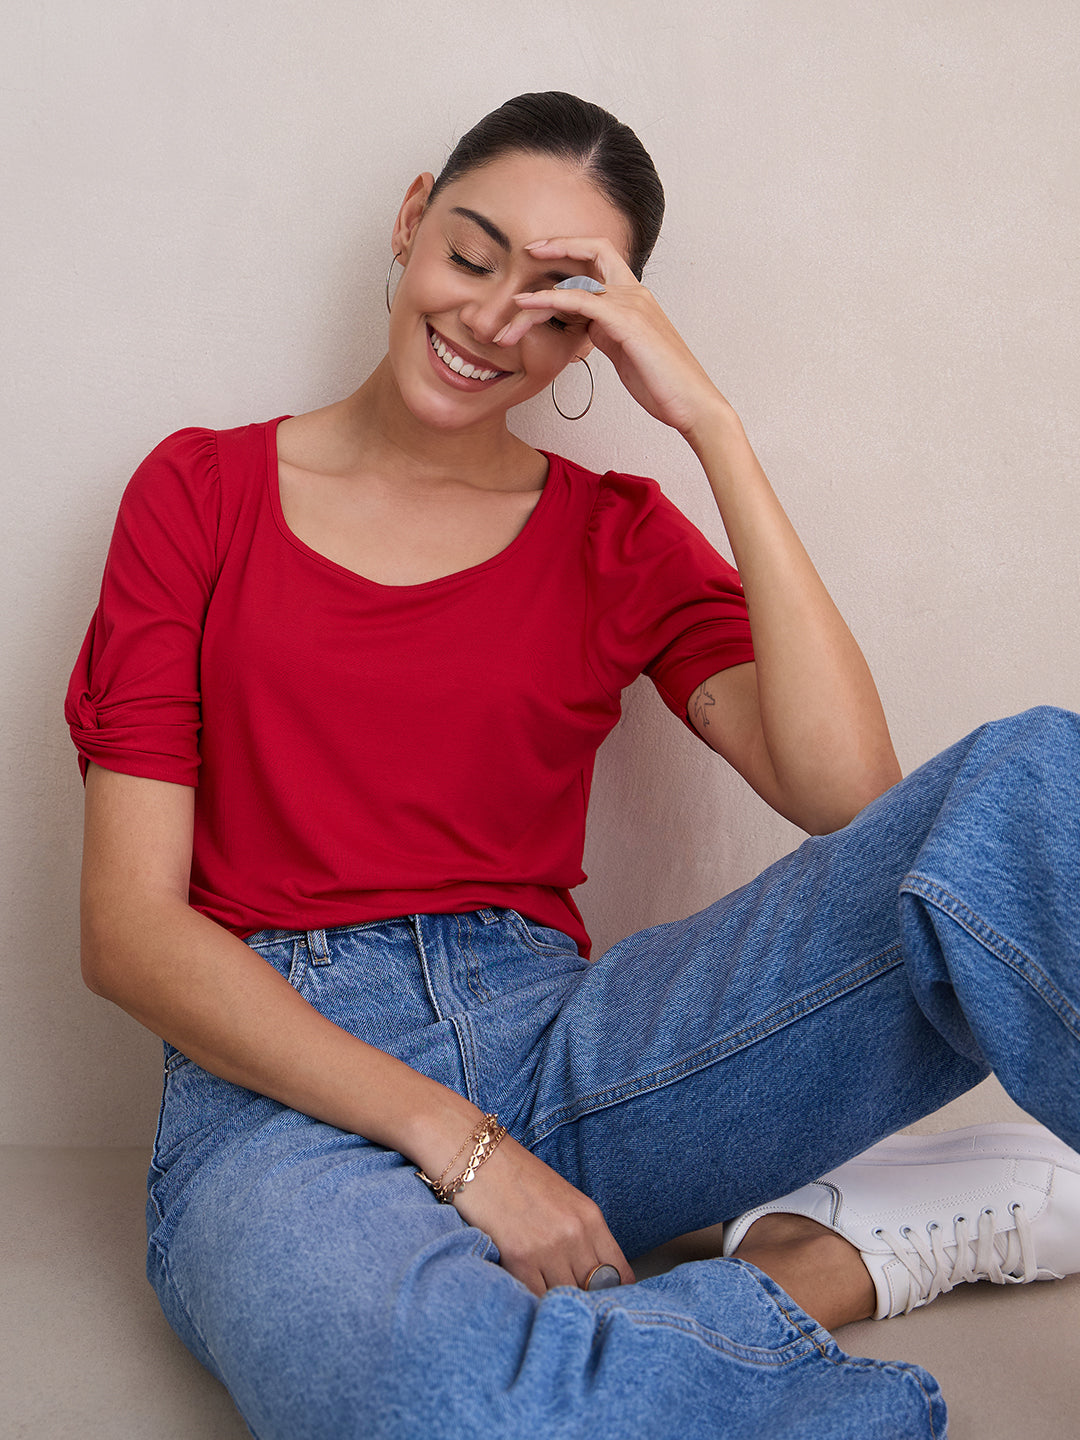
(85, 1352)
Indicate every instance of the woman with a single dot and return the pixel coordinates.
(385, 639)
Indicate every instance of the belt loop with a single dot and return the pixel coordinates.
(320, 950)
(488, 916)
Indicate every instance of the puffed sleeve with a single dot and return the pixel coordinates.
(133, 699)
(665, 603)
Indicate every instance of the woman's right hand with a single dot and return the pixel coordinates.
(548, 1233)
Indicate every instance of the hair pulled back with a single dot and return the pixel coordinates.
(552, 122)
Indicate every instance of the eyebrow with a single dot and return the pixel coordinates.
(499, 236)
(488, 226)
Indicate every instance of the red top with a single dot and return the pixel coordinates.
(371, 750)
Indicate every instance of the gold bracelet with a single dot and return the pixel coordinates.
(484, 1140)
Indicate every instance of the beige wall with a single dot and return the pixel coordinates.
(871, 243)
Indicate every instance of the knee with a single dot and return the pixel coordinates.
(1045, 732)
(1027, 767)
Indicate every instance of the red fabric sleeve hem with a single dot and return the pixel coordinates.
(682, 679)
(144, 767)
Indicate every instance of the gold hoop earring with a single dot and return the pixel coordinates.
(592, 392)
(397, 257)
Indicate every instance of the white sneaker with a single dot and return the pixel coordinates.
(927, 1212)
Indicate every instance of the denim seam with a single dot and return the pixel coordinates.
(284, 937)
(472, 967)
(418, 940)
(817, 1344)
(759, 1029)
(836, 1356)
(152, 1197)
(538, 947)
(999, 945)
(298, 964)
(609, 1310)
(158, 1170)
(483, 1245)
(466, 1039)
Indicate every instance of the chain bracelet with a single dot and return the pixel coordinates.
(485, 1138)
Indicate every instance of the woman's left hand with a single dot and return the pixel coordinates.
(628, 325)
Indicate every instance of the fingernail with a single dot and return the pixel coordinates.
(536, 244)
(503, 331)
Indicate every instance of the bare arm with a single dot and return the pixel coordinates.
(803, 724)
(206, 992)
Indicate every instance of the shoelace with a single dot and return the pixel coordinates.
(1005, 1259)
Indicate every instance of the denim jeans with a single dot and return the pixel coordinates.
(694, 1070)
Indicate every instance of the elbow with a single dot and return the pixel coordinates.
(121, 940)
(105, 948)
(93, 958)
(840, 808)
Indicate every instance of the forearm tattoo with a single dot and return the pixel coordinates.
(701, 702)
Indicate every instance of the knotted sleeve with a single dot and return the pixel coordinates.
(133, 698)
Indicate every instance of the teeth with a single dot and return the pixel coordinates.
(457, 364)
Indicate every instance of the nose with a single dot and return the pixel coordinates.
(487, 314)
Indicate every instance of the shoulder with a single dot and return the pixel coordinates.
(185, 463)
(632, 513)
(638, 537)
(171, 486)
(196, 455)
(183, 478)
(191, 448)
(611, 494)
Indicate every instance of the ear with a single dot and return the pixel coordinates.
(411, 213)
(584, 349)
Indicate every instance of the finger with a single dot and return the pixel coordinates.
(531, 1278)
(536, 307)
(605, 1274)
(517, 328)
(561, 1272)
(618, 1259)
(610, 266)
(609, 1253)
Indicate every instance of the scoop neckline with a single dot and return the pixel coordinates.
(273, 487)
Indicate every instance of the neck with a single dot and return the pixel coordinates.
(390, 437)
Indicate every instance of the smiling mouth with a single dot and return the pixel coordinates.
(469, 367)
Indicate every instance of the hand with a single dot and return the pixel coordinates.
(548, 1232)
(627, 324)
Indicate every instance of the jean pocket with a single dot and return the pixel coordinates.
(543, 939)
(288, 956)
(196, 1109)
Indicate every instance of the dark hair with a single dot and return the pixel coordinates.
(554, 123)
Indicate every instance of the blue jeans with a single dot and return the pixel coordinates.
(694, 1070)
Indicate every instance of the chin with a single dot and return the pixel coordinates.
(448, 410)
(451, 414)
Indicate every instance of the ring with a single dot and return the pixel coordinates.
(582, 282)
(602, 1277)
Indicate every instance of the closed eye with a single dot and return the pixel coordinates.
(468, 264)
(556, 322)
